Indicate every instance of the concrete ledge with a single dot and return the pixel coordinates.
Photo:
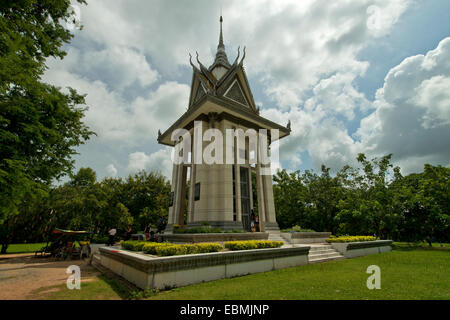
(213, 237)
(306, 237)
(163, 272)
(358, 249)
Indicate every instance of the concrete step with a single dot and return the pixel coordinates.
(276, 238)
(322, 251)
(324, 255)
(318, 260)
(319, 249)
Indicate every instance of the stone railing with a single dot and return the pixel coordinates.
(306, 237)
(148, 271)
(357, 249)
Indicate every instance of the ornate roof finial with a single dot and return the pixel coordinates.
(237, 58)
(243, 57)
(289, 125)
(221, 56)
(221, 34)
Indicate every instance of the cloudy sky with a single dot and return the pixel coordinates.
(368, 76)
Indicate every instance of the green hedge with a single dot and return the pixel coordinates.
(133, 245)
(170, 249)
(252, 244)
(150, 247)
(351, 239)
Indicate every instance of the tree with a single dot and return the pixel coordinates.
(323, 195)
(423, 200)
(40, 126)
(146, 195)
(367, 206)
(290, 198)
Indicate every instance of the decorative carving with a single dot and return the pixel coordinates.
(235, 93)
(237, 58)
(243, 57)
(200, 93)
(289, 125)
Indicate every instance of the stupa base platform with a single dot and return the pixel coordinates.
(213, 237)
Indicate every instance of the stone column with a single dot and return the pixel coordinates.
(191, 211)
(237, 176)
(260, 196)
(271, 221)
(250, 185)
(182, 174)
(171, 218)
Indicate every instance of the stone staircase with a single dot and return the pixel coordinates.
(322, 253)
(318, 252)
(275, 236)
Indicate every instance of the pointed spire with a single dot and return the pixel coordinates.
(221, 56)
(221, 45)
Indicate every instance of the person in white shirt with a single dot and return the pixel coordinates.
(112, 233)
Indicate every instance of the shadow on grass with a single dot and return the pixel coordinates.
(409, 246)
(123, 289)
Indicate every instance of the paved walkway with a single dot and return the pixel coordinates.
(21, 275)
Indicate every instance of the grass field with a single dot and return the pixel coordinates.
(98, 288)
(408, 272)
(405, 274)
(24, 247)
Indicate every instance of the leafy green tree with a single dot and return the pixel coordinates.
(290, 199)
(423, 201)
(146, 195)
(367, 207)
(323, 195)
(40, 126)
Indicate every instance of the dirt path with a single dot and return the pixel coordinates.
(21, 274)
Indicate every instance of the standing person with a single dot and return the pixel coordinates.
(257, 223)
(252, 221)
(152, 236)
(147, 231)
(128, 233)
(161, 225)
(112, 233)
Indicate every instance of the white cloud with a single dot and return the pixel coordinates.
(412, 117)
(302, 55)
(433, 95)
(115, 118)
(111, 170)
(159, 161)
(291, 45)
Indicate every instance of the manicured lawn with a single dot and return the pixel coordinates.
(24, 247)
(98, 288)
(405, 274)
(408, 272)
